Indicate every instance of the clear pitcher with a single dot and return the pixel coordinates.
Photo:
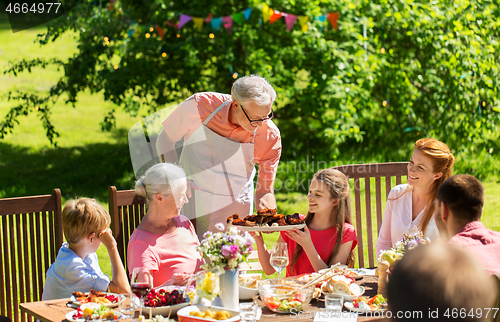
(207, 288)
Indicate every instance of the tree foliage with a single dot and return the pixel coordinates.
(430, 68)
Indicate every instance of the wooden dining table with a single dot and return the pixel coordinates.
(56, 310)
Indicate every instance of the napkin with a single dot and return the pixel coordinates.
(325, 316)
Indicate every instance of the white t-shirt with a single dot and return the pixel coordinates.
(398, 220)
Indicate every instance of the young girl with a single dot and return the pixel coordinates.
(412, 205)
(328, 236)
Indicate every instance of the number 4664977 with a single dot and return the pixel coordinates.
(35, 8)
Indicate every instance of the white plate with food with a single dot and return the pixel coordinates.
(73, 316)
(351, 297)
(105, 298)
(270, 228)
(356, 273)
(364, 304)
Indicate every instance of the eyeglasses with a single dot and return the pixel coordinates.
(256, 122)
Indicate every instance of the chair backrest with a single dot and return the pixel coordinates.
(31, 235)
(360, 175)
(127, 210)
(253, 264)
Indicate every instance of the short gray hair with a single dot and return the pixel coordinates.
(164, 178)
(253, 88)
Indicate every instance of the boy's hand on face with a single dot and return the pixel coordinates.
(106, 237)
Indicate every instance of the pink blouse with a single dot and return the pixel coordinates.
(165, 254)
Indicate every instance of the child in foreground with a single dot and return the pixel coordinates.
(85, 226)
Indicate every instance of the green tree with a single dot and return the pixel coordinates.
(429, 68)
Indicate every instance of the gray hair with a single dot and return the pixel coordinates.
(164, 178)
(253, 88)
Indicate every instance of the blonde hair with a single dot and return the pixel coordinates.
(164, 178)
(82, 217)
(253, 88)
(338, 186)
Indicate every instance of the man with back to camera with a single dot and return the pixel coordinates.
(437, 282)
(459, 206)
(224, 136)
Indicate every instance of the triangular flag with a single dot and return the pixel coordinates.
(160, 31)
(209, 18)
(290, 21)
(321, 18)
(247, 13)
(303, 22)
(239, 18)
(228, 23)
(216, 22)
(266, 12)
(198, 22)
(333, 18)
(275, 16)
(183, 19)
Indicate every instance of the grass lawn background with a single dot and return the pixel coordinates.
(87, 161)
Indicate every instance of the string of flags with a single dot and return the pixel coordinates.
(269, 15)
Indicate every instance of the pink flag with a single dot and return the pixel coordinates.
(290, 21)
(228, 23)
(184, 19)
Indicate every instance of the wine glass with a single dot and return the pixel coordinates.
(279, 257)
(141, 283)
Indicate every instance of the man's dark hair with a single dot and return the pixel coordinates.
(464, 195)
(438, 280)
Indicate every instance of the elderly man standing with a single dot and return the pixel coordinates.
(223, 137)
(459, 205)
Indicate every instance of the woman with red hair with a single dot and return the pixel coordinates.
(412, 205)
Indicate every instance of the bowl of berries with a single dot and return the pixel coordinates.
(162, 301)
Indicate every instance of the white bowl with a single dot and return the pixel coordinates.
(163, 310)
(184, 316)
(351, 297)
(247, 293)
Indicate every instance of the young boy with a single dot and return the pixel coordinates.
(76, 267)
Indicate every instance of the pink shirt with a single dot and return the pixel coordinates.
(191, 113)
(323, 241)
(482, 243)
(165, 254)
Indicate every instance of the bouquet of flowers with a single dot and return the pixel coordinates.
(409, 241)
(225, 250)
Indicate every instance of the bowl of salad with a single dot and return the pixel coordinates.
(285, 295)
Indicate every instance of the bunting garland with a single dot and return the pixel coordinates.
(268, 15)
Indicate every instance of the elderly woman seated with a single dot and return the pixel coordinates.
(164, 242)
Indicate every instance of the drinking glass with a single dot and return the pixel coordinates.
(141, 283)
(279, 257)
(334, 302)
(126, 305)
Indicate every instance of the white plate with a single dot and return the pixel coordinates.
(350, 297)
(112, 305)
(350, 307)
(360, 272)
(69, 317)
(267, 228)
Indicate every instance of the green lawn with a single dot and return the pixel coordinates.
(88, 160)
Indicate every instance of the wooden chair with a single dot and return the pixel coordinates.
(253, 264)
(360, 175)
(127, 210)
(31, 235)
